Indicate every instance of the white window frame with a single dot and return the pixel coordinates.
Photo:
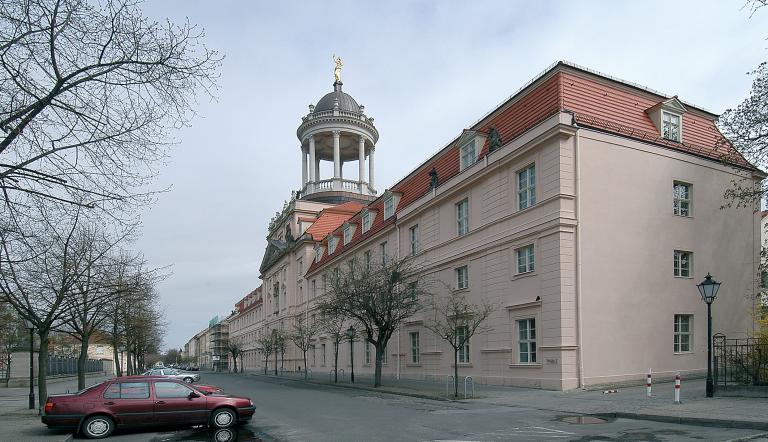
(525, 259)
(415, 348)
(678, 270)
(367, 260)
(365, 221)
(413, 239)
(682, 202)
(314, 288)
(526, 341)
(678, 333)
(464, 355)
(367, 353)
(664, 123)
(526, 187)
(467, 154)
(462, 217)
(462, 277)
(332, 240)
(389, 207)
(347, 234)
(384, 250)
(318, 254)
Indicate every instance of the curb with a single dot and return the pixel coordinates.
(687, 420)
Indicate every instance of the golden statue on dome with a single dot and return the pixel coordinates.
(337, 69)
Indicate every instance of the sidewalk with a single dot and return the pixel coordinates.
(628, 402)
(22, 424)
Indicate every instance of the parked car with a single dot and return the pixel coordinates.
(142, 401)
(173, 374)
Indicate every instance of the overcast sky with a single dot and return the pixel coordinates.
(424, 70)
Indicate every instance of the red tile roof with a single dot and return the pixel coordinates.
(332, 217)
(595, 100)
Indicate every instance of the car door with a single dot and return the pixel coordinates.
(129, 402)
(175, 405)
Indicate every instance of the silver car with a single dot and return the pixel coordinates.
(173, 374)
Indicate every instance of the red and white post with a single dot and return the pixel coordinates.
(677, 389)
(648, 384)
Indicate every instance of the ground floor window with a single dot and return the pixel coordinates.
(683, 332)
(323, 348)
(462, 339)
(314, 355)
(526, 329)
(415, 353)
(367, 352)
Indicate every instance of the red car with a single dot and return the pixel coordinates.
(140, 401)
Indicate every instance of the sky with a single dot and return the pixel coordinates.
(424, 70)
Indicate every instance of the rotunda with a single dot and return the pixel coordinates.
(337, 129)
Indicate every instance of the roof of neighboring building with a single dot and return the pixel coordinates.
(596, 101)
(332, 217)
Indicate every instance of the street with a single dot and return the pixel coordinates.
(294, 411)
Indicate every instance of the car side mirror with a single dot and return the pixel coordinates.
(192, 395)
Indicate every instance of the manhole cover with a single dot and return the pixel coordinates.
(583, 420)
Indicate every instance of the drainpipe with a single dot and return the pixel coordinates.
(397, 229)
(579, 321)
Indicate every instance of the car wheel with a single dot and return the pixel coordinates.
(223, 418)
(98, 427)
(188, 380)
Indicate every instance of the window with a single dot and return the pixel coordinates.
(323, 348)
(413, 287)
(526, 332)
(683, 332)
(413, 236)
(462, 338)
(171, 390)
(332, 244)
(389, 207)
(415, 353)
(683, 263)
(384, 249)
(384, 358)
(526, 187)
(367, 352)
(347, 234)
(314, 352)
(367, 260)
(468, 155)
(325, 283)
(682, 198)
(314, 288)
(318, 254)
(670, 126)
(462, 217)
(366, 223)
(127, 390)
(462, 278)
(525, 260)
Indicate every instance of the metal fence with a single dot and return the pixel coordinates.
(58, 365)
(739, 362)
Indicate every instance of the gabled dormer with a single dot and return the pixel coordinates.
(391, 199)
(333, 241)
(366, 219)
(470, 144)
(348, 230)
(319, 250)
(667, 116)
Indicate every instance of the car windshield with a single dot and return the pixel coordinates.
(87, 389)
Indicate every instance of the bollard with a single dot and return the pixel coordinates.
(648, 384)
(677, 389)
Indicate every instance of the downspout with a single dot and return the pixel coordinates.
(397, 229)
(579, 320)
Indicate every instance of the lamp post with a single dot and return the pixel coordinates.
(351, 336)
(708, 291)
(31, 327)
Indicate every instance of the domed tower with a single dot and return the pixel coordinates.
(337, 129)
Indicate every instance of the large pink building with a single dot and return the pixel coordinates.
(585, 207)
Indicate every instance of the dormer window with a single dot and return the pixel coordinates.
(670, 126)
(468, 154)
(332, 241)
(389, 207)
(348, 232)
(366, 221)
(318, 253)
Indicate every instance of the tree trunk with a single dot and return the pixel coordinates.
(116, 358)
(377, 373)
(275, 363)
(82, 360)
(266, 363)
(305, 365)
(455, 372)
(42, 367)
(336, 363)
(234, 361)
(128, 367)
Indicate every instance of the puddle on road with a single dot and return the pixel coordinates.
(235, 434)
(583, 420)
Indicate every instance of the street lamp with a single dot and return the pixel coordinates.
(31, 327)
(708, 290)
(351, 336)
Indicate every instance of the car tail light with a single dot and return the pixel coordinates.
(48, 406)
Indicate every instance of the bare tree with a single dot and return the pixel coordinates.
(12, 334)
(266, 344)
(455, 320)
(235, 349)
(280, 339)
(379, 297)
(303, 336)
(333, 323)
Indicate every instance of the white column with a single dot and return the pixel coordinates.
(370, 167)
(303, 167)
(361, 164)
(336, 160)
(312, 162)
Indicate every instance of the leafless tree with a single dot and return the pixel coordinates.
(266, 344)
(455, 320)
(280, 339)
(303, 336)
(333, 324)
(379, 297)
(12, 334)
(235, 349)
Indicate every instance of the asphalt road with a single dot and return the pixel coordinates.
(291, 411)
